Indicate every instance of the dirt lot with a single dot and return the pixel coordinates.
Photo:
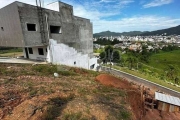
(134, 99)
(30, 92)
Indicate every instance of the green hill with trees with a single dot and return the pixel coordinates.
(161, 66)
(109, 33)
(168, 31)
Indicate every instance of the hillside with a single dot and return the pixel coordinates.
(168, 31)
(30, 92)
(162, 60)
(109, 33)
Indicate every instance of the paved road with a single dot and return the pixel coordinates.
(18, 60)
(142, 81)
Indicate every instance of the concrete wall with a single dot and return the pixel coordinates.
(73, 46)
(85, 34)
(29, 14)
(75, 32)
(35, 55)
(12, 35)
(63, 54)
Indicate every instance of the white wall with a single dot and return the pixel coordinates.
(63, 54)
(53, 6)
(35, 55)
(24, 53)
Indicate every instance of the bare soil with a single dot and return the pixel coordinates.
(31, 92)
(134, 99)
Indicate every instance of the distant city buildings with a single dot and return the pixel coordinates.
(134, 42)
(161, 38)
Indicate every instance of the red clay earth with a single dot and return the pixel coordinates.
(134, 98)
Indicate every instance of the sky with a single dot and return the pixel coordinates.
(123, 15)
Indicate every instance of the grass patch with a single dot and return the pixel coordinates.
(67, 73)
(33, 92)
(13, 54)
(109, 90)
(45, 69)
(147, 77)
(9, 81)
(74, 116)
(55, 105)
(161, 60)
(51, 69)
(125, 115)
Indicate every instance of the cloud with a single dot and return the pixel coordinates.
(108, 1)
(6, 2)
(156, 3)
(32, 2)
(136, 23)
(93, 9)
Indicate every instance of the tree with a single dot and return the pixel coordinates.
(144, 54)
(131, 62)
(116, 56)
(109, 48)
(176, 80)
(171, 72)
(109, 51)
(103, 56)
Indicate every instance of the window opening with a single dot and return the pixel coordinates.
(40, 51)
(31, 27)
(55, 29)
(2, 28)
(30, 50)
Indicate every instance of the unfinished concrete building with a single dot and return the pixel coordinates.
(53, 34)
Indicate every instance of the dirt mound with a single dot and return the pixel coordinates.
(133, 93)
(112, 81)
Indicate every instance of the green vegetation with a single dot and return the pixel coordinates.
(161, 68)
(109, 54)
(161, 60)
(10, 52)
(168, 31)
(148, 76)
(44, 70)
(74, 116)
(104, 41)
(98, 50)
(109, 33)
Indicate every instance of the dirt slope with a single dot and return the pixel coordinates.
(134, 99)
